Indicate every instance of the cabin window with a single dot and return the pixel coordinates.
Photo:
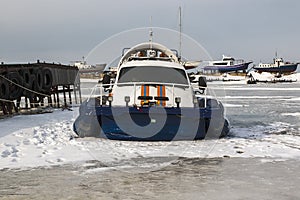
(220, 63)
(152, 74)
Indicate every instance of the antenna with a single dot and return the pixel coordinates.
(180, 32)
(151, 33)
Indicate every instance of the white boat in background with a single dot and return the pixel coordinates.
(190, 64)
(86, 68)
(227, 64)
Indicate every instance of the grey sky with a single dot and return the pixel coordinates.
(65, 30)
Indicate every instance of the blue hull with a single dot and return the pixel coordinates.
(281, 69)
(151, 123)
(230, 68)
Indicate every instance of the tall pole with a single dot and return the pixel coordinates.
(180, 32)
(151, 33)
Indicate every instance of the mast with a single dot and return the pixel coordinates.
(151, 33)
(83, 60)
(180, 32)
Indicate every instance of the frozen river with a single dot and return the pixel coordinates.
(195, 178)
(259, 160)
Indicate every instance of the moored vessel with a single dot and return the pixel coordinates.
(278, 66)
(150, 98)
(86, 68)
(227, 64)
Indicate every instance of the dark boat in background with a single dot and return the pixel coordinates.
(278, 66)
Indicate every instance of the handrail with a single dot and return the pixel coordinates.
(153, 83)
(102, 91)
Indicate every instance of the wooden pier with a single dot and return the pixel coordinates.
(37, 85)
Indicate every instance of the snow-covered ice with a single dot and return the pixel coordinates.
(51, 142)
(48, 139)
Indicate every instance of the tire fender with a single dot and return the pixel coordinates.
(15, 91)
(38, 83)
(47, 79)
(4, 89)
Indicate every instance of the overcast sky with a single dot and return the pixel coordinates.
(66, 30)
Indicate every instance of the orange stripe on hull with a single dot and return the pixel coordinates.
(158, 94)
(145, 91)
(142, 94)
(161, 92)
(164, 94)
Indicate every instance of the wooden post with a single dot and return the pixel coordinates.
(42, 101)
(26, 102)
(18, 102)
(50, 101)
(35, 101)
(75, 93)
(9, 107)
(70, 98)
(31, 100)
(54, 99)
(3, 106)
(79, 90)
(65, 99)
(57, 97)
